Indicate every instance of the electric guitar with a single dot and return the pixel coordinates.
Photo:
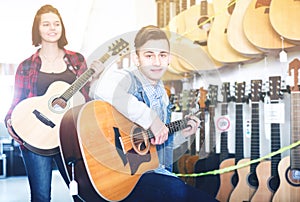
(267, 174)
(258, 28)
(36, 120)
(248, 183)
(284, 17)
(109, 151)
(288, 167)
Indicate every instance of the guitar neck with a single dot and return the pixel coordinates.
(254, 135)
(78, 84)
(295, 120)
(239, 142)
(174, 126)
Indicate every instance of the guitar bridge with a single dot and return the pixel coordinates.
(43, 119)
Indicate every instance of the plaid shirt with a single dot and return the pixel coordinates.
(28, 71)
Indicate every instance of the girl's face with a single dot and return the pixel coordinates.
(153, 59)
(50, 28)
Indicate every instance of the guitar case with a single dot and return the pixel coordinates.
(208, 183)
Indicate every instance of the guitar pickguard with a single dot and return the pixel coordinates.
(131, 157)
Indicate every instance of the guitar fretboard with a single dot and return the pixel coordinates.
(254, 135)
(295, 127)
(78, 84)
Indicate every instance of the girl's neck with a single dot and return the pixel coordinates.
(50, 50)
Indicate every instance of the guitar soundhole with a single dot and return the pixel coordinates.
(58, 104)
(293, 177)
(274, 183)
(234, 179)
(205, 26)
(140, 141)
(252, 180)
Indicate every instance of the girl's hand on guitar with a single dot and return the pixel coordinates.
(193, 124)
(12, 133)
(160, 132)
(98, 67)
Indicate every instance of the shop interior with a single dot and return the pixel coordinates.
(234, 61)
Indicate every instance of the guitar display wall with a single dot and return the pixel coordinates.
(254, 42)
(209, 35)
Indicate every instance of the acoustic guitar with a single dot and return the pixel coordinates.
(226, 159)
(109, 151)
(36, 120)
(248, 183)
(258, 28)
(218, 45)
(188, 33)
(210, 183)
(284, 17)
(267, 171)
(288, 167)
(235, 32)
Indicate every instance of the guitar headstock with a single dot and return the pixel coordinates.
(213, 94)
(202, 99)
(256, 90)
(240, 92)
(274, 87)
(119, 46)
(226, 92)
(294, 65)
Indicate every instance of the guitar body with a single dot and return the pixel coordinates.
(242, 191)
(235, 32)
(263, 193)
(71, 151)
(190, 168)
(38, 136)
(188, 33)
(286, 190)
(226, 186)
(258, 28)
(181, 166)
(218, 45)
(284, 17)
(194, 24)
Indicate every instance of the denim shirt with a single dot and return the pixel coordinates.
(165, 151)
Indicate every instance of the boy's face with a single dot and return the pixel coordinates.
(153, 59)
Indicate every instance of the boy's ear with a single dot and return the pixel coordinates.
(136, 60)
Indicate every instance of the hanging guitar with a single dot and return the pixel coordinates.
(248, 183)
(36, 120)
(267, 171)
(288, 167)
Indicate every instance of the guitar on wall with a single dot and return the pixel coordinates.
(226, 158)
(248, 183)
(288, 167)
(194, 157)
(217, 43)
(109, 152)
(36, 120)
(189, 31)
(235, 32)
(210, 183)
(267, 171)
(258, 28)
(284, 17)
